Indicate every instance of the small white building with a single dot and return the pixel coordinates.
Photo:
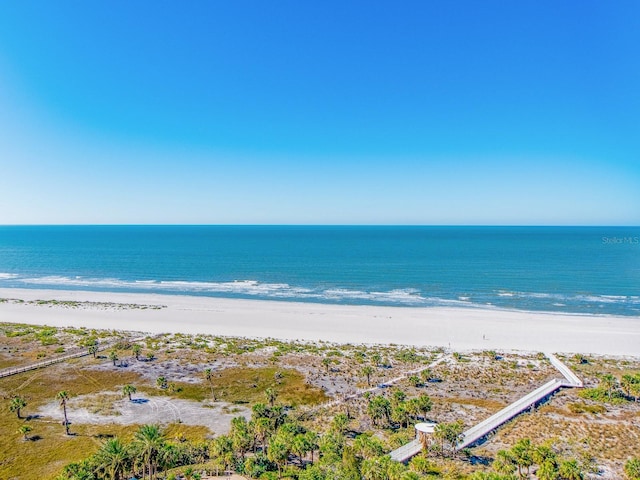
(424, 432)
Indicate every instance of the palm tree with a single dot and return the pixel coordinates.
(340, 423)
(240, 437)
(367, 370)
(376, 358)
(279, 447)
(326, 361)
(522, 453)
(208, 375)
(368, 446)
(634, 390)
(222, 451)
(421, 465)
(544, 453)
(113, 459)
(300, 447)
(312, 439)
(379, 408)
(424, 404)
(413, 408)
(400, 414)
(17, 404)
(149, 440)
(570, 470)
(93, 349)
(136, 350)
(547, 470)
(63, 396)
(396, 470)
(449, 434)
(128, 389)
(609, 383)
(505, 463)
(24, 430)
(113, 356)
(271, 396)
(398, 397)
(261, 428)
(373, 469)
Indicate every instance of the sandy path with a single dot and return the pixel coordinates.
(151, 410)
(455, 328)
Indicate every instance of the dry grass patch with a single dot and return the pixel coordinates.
(44, 456)
(100, 403)
(40, 386)
(606, 440)
(247, 385)
(486, 403)
(582, 407)
(51, 449)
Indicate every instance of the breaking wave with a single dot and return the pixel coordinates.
(537, 301)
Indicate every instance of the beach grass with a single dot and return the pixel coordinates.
(471, 385)
(247, 385)
(50, 449)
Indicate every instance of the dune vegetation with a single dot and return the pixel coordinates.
(264, 408)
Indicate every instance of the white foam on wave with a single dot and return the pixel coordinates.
(253, 288)
(562, 299)
(55, 280)
(608, 299)
(540, 295)
(244, 287)
(398, 296)
(285, 291)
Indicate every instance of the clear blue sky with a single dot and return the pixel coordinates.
(359, 112)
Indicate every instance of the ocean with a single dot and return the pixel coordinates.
(587, 270)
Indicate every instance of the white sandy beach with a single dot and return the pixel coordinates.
(455, 328)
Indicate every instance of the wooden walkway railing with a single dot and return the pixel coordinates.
(487, 426)
(484, 428)
(406, 451)
(571, 377)
(77, 353)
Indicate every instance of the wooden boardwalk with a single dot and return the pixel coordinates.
(406, 451)
(571, 377)
(487, 426)
(77, 353)
(484, 428)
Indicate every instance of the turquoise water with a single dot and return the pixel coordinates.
(593, 270)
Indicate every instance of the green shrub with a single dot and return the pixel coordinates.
(579, 407)
(600, 394)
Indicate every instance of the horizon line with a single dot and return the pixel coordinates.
(417, 225)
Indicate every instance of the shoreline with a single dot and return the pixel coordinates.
(455, 328)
